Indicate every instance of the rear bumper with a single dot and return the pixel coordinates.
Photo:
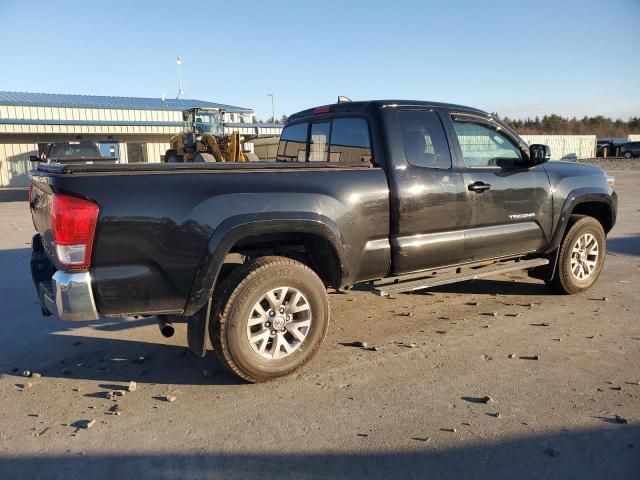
(69, 296)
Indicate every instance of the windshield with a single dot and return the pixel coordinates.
(208, 122)
(74, 150)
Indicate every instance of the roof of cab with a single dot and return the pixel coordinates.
(362, 106)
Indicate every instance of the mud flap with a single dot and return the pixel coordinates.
(546, 272)
(197, 329)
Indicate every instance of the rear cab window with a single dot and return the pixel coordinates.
(319, 143)
(350, 142)
(293, 143)
(343, 140)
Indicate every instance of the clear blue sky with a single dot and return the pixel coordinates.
(515, 57)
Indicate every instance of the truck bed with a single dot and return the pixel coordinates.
(158, 223)
(123, 168)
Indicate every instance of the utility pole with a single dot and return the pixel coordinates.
(180, 90)
(273, 108)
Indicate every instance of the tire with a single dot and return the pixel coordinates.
(172, 157)
(565, 279)
(203, 157)
(239, 299)
(628, 155)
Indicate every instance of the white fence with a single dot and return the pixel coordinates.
(566, 147)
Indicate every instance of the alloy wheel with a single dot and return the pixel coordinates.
(584, 256)
(279, 323)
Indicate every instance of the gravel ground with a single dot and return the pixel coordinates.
(563, 374)
(622, 164)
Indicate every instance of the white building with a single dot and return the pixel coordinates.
(131, 129)
(566, 147)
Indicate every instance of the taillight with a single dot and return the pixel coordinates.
(324, 109)
(73, 225)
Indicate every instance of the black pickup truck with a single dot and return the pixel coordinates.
(72, 153)
(404, 195)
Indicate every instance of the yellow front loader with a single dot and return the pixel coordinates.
(204, 139)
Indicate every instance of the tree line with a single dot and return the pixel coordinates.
(282, 120)
(599, 125)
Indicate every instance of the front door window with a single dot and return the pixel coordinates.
(483, 146)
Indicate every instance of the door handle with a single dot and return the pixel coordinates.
(479, 187)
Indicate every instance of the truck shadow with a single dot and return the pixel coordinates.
(628, 245)
(19, 194)
(108, 360)
(605, 452)
(29, 341)
(518, 286)
(47, 345)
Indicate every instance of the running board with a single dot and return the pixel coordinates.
(409, 283)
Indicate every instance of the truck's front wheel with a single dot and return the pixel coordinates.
(581, 256)
(270, 318)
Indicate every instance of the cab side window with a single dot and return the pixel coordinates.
(425, 144)
(293, 143)
(484, 146)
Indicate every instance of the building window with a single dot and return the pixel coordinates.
(137, 152)
(109, 149)
(41, 148)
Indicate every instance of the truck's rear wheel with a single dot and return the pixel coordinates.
(581, 256)
(270, 318)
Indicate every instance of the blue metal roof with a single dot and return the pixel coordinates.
(96, 101)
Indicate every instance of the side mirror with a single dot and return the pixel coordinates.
(539, 153)
(34, 158)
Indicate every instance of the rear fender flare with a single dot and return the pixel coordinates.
(245, 226)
